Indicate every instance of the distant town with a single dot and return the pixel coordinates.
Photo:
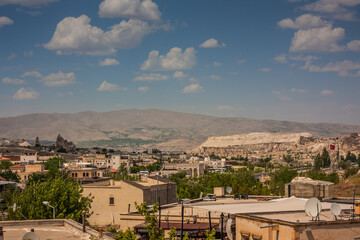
(216, 191)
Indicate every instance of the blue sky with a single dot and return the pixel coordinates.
(284, 60)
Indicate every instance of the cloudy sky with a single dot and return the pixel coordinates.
(285, 60)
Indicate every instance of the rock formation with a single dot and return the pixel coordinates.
(37, 142)
(62, 143)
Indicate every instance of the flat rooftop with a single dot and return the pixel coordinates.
(298, 217)
(277, 205)
(49, 229)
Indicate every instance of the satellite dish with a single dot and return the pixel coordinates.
(30, 236)
(335, 209)
(313, 207)
(228, 229)
(228, 190)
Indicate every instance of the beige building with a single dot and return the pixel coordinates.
(307, 188)
(111, 198)
(25, 170)
(191, 169)
(85, 171)
(295, 225)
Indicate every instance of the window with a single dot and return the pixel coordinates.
(87, 174)
(111, 201)
(83, 174)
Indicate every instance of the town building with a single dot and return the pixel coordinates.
(111, 198)
(191, 169)
(303, 187)
(25, 170)
(85, 172)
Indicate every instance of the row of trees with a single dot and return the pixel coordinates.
(241, 181)
(56, 187)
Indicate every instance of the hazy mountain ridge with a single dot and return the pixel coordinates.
(151, 127)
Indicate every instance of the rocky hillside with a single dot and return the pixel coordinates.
(253, 138)
(138, 129)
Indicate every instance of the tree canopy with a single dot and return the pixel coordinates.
(62, 192)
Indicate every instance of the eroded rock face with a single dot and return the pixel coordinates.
(62, 143)
(305, 140)
(254, 138)
(37, 141)
(352, 142)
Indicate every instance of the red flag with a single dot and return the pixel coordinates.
(332, 147)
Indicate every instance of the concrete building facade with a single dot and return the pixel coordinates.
(111, 198)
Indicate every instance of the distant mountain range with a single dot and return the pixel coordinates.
(153, 128)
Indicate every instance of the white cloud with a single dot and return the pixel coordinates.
(354, 46)
(34, 74)
(28, 3)
(297, 90)
(179, 75)
(326, 92)
(343, 68)
(5, 21)
(173, 60)
(281, 96)
(317, 40)
(151, 77)
(241, 61)
(305, 21)
(59, 79)
(337, 9)
(109, 62)
(76, 35)
(15, 81)
(265, 69)
(217, 64)
(109, 87)
(224, 108)
(193, 88)
(29, 54)
(12, 56)
(281, 58)
(212, 43)
(307, 59)
(215, 77)
(23, 94)
(143, 89)
(134, 9)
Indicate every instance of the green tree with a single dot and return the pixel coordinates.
(350, 157)
(210, 235)
(280, 178)
(5, 165)
(318, 174)
(288, 158)
(154, 233)
(127, 235)
(63, 193)
(351, 171)
(54, 163)
(325, 158)
(317, 162)
(10, 175)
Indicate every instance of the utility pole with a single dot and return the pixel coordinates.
(222, 226)
(182, 220)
